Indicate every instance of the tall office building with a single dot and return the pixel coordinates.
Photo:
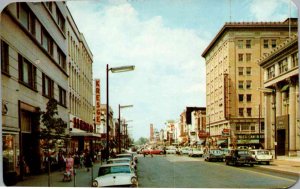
(233, 78)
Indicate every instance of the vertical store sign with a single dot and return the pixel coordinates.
(97, 102)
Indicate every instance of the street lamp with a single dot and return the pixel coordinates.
(113, 70)
(275, 128)
(119, 127)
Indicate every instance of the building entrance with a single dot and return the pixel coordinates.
(281, 142)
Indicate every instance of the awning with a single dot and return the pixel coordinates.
(285, 88)
(253, 141)
(220, 141)
(79, 132)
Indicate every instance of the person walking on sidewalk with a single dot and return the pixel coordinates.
(69, 168)
(88, 161)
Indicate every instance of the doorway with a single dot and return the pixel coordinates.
(281, 142)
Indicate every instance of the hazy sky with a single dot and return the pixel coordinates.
(164, 39)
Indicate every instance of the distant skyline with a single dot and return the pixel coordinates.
(164, 39)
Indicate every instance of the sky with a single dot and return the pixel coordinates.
(164, 39)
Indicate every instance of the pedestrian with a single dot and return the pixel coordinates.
(77, 160)
(88, 161)
(69, 167)
(165, 151)
(61, 161)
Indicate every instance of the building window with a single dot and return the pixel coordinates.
(273, 43)
(248, 57)
(241, 97)
(266, 43)
(61, 59)
(248, 44)
(26, 18)
(249, 111)
(238, 128)
(48, 86)
(271, 72)
(248, 84)
(253, 128)
(241, 70)
(27, 72)
(240, 57)
(240, 44)
(295, 59)
(49, 5)
(241, 84)
(241, 112)
(283, 67)
(60, 20)
(4, 57)
(47, 42)
(249, 97)
(62, 96)
(248, 71)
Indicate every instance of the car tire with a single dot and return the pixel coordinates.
(161, 153)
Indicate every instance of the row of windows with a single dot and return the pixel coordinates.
(60, 20)
(244, 43)
(248, 97)
(242, 69)
(245, 128)
(241, 57)
(28, 75)
(247, 86)
(247, 43)
(29, 21)
(248, 112)
(269, 43)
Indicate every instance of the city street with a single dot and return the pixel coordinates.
(175, 171)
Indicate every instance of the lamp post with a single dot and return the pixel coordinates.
(275, 129)
(113, 70)
(119, 126)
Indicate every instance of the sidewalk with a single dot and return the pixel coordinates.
(83, 179)
(289, 165)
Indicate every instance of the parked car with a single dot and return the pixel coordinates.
(262, 156)
(171, 150)
(127, 155)
(153, 151)
(184, 150)
(239, 157)
(122, 160)
(119, 174)
(195, 152)
(214, 155)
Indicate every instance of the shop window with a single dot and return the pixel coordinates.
(48, 86)
(27, 72)
(4, 57)
(8, 152)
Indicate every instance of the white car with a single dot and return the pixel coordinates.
(119, 175)
(184, 150)
(122, 160)
(261, 156)
(171, 150)
(195, 152)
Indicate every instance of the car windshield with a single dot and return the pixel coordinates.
(216, 152)
(113, 169)
(262, 152)
(243, 152)
(118, 161)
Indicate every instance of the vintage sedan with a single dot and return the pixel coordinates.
(171, 150)
(195, 152)
(239, 157)
(117, 175)
(153, 151)
(214, 155)
(122, 160)
(262, 156)
(127, 155)
(184, 150)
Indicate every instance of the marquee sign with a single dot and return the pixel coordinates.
(97, 102)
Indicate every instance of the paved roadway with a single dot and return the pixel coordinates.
(173, 171)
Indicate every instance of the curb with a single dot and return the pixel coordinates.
(279, 171)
